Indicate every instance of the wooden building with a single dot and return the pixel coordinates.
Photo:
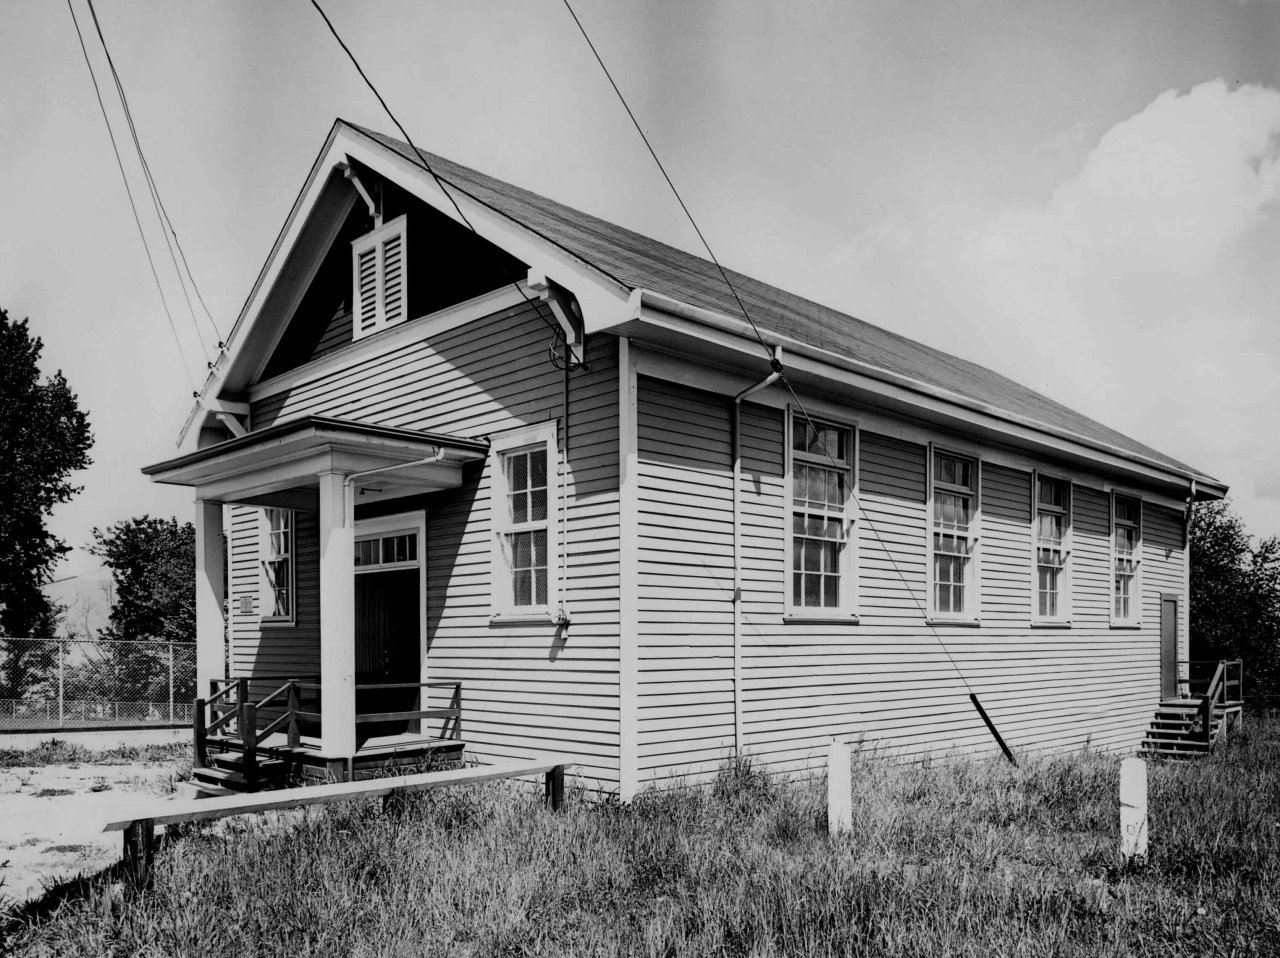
(546, 466)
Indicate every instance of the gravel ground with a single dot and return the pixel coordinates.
(51, 819)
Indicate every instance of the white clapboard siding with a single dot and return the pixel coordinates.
(685, 581)
(529, 688)
(886, 677)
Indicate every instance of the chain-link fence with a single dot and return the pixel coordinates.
(74, 684)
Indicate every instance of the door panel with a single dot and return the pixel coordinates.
(1168, 646)
(388, 617)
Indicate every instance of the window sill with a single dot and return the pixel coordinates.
(962, 623)
(276, 623)
(1051, 624)
(522, 618)
(1130, 626)
(821, 618)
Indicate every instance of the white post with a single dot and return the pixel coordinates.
(839, 787)
(337, 620)
(1133, 808)
(210, 576)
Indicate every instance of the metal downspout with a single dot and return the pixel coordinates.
(736, 426)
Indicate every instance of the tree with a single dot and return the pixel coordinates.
(1235, 595)
(153, 567)
(44, 438)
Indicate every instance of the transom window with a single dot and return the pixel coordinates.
(378, 267)
(277, 549)
(1126, 526)
(955, 534)
(1052, 528)
(397, 549)
(822, 479)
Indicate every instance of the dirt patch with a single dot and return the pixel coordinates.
(51, 819)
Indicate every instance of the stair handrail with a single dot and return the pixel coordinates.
(1212, 697)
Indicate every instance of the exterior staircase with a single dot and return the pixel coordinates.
(242, 745)
(1192, 725)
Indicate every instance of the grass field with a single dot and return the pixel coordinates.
(957, 857)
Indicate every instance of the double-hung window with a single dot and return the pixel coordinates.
(1126, 548)
(954, 542)
(822, 489)
(1052, 530)
(524, 526)
(378, 264)
(277, 543)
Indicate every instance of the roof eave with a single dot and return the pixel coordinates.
(1206, 486)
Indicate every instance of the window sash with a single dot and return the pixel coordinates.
(822, 480)
(1052, 529)
(277, 564)
(1126, 544)
(525, 527)
(954, 534)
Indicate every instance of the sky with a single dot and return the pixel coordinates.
(1083, 196)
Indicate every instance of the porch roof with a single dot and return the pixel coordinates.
(281, 464)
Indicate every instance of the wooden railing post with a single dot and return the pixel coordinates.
(242, 699)
(249, 733)
(201, 743)
(295, 736)
(1206, 719)
(457, 718)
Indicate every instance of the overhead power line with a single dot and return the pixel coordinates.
(132, 205)
(162, 214)
(776, 365)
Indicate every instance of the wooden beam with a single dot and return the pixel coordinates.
(167, 811)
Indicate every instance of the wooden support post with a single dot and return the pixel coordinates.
(139, 848)
(839, 787)
(249, 734)
(295, 735)
(1133, 809)
(201, 757)
(554, 783)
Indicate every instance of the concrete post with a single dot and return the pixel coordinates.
(839, 787)
(210, 576)
(1133, 809)
(337, 620)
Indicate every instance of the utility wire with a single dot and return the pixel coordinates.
(423, 162)
(132, 205)
(162, 214)
(776, 365)
(707, 246)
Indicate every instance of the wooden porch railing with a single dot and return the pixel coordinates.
(1223, 690)
(229, 708)
(452, 715)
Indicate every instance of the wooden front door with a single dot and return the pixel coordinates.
(1168, 646)
(389, 618)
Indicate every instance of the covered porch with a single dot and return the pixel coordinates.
(346, 684)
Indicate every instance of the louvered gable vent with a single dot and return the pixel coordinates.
(378, 280)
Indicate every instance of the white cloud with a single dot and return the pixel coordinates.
(1125, 293)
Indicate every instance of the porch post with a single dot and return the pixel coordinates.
(337, 619)
(210, 579)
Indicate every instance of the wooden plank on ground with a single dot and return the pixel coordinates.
(165, 812)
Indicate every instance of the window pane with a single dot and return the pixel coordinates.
(540, 586)
(538, 505)
(367, 552)
(522, 587)
(538, 468)
(520, 507)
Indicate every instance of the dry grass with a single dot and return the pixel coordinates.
(945, 858)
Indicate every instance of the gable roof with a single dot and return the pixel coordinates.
(639, 262)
